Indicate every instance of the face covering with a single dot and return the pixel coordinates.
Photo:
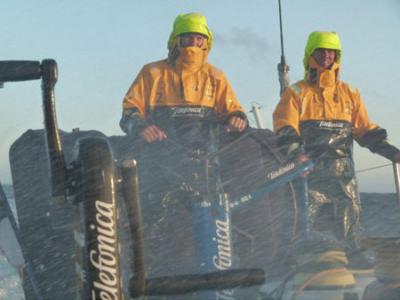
(191, 58)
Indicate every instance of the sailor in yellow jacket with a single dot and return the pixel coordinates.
(181, 88)
(321, 116)
(177, 106)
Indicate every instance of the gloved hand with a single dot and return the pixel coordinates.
(153, 133)
(290, 143)
(302, 158)
(236, 124)
(296, 151)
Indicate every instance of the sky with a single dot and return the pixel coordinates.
(100, 46)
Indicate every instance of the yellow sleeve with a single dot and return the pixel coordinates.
(226, 100)
(287, 112)
(360, 119)
(137, 95)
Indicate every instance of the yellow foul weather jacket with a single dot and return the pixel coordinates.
(160, 86)
(327, 114)
(322, 101)
(183, 103)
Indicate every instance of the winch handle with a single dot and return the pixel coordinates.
(19, 70)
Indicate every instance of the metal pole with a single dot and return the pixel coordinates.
(396, 171)
(256, 110)
(283, 68)
(281, 29)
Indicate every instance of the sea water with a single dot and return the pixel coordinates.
(10, 283)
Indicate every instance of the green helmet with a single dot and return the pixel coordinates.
(321, 39)
(191, 22)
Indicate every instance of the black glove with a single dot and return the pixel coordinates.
(289, 142)
(132, 123)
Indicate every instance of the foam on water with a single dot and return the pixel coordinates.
(10, 284)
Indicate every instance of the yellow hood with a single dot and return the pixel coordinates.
(191, 22)
(321, 39)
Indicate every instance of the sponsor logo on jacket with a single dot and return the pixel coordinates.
(329, 124)
(188, 112)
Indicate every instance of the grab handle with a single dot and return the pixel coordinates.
(19, 70)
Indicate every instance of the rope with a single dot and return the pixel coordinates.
(313, 278)
(323, 264)
(373, 168)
